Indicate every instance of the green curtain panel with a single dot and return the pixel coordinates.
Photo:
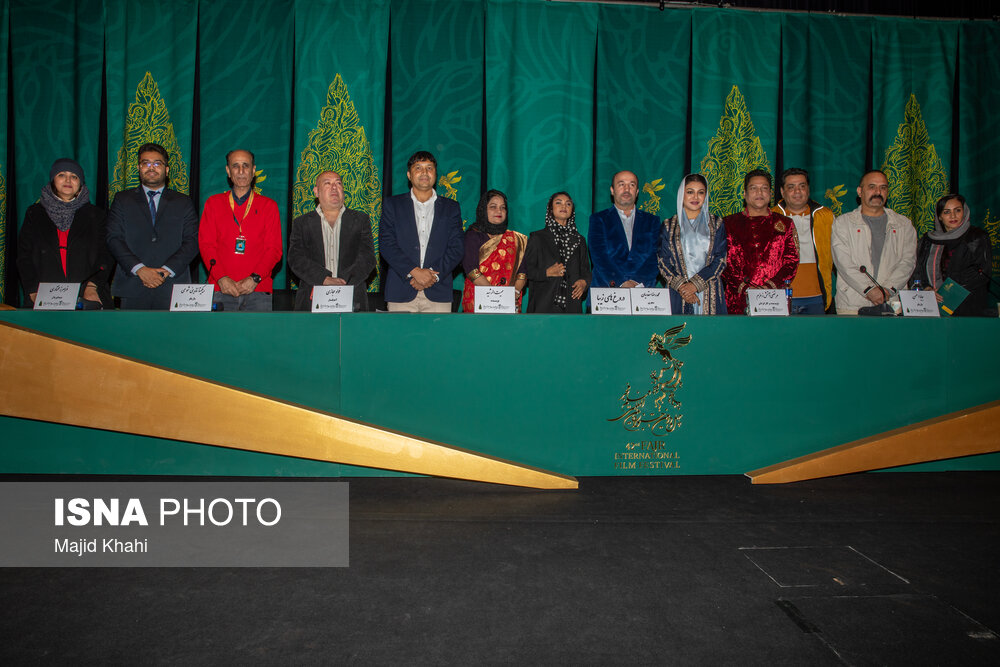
(150, 56)
(341, 51)
(825, 65)
(642, 103)
(4, 32)
(437, 52)
(57, 54)
(245, 88)
(978, 129)
(540, 106)
(734, 99)
(913, 65)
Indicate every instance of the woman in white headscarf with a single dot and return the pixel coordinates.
(692, 252)
(957, 250)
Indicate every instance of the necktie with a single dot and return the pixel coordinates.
(152, 205)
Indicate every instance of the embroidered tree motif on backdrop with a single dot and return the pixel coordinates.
(732, 152)
(339, 143)
(916, 175)
(147, 121)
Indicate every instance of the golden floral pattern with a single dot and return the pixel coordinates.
(147, 121)
(916, 175)
(655, 409)
(732, 152)
(339, 143)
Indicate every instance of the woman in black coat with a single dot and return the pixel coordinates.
(956, 250)
(556, 261)
(63, 239)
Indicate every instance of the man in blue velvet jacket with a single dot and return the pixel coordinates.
(420, 238)
(623, 240)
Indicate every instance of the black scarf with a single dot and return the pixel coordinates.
(567, 239)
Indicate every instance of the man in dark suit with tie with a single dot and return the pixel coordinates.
(420, 237)
(623, 240)
(331, 245)
(153, 236)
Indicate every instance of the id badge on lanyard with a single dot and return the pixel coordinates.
(241, 241)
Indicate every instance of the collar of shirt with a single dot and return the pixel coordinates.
(429, 202)
(239, 201)
(621, 214)
(322, 217)
(148, 190)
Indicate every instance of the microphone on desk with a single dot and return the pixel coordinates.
(211, 265)
(882, 308)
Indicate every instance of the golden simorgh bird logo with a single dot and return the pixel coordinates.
(652, 205)
(148, 121)
(655, 409)
(448, 182)
(833, 195)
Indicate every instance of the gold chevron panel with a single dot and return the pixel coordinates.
(962, 433)
(53, 380)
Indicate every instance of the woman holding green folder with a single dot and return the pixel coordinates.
(957, 251)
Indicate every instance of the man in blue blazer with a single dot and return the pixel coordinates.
(623, 240)
(420, 237)
(153, 236)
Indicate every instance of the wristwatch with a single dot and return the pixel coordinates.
(256, 277)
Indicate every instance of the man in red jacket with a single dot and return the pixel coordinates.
(240, 239)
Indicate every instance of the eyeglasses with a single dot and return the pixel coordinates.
(146, 164)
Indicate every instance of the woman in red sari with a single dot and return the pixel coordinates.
(493, 253)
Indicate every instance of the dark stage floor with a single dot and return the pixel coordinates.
(873, 569)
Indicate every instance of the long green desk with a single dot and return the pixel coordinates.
(541, 390)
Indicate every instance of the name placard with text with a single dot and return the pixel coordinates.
(333, 299)
(491, 299)
(610, 301)
(192, 298)
(56, 296)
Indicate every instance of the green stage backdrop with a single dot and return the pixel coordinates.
(523, 95)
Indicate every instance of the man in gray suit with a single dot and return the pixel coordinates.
(153, 236)
(331, 245)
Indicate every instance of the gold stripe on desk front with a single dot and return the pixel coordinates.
(54, 380)
(962, 433)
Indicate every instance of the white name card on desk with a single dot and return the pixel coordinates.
(610, 301)
(57, 296)
(650, 300)
(192, 298)
(333, 299)
(919, 303)
(767, 302)
(491, 299)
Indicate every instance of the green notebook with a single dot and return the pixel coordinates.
(954, 294)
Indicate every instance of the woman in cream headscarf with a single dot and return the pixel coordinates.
(692, 252)
(956, 250)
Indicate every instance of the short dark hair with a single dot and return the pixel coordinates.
(872, 171)
(253, 160)
(421, 156)
(941, 203)
(792, 171)
(757, 172)
(152, 148)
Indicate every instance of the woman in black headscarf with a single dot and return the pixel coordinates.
(62, 239)
(957, 250)
(557, 263)
(493, 253)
